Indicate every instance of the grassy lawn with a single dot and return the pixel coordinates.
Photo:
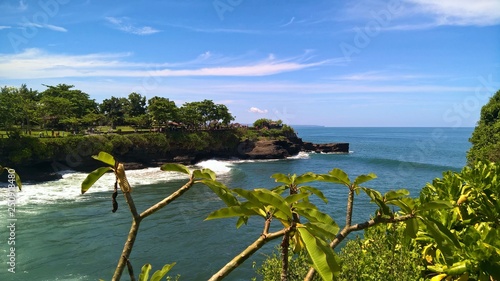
(59, 133)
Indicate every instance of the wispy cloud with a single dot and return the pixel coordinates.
(289, 22)
(215, 30)
(373, 76)
(125, 25)
(5, 27)
(46, 26)
(460, 12)
(35, 63)
(257, 110)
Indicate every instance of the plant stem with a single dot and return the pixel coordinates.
(167, 200)
(137, 218)
(284, 257)
(243, 256)
(127, 249)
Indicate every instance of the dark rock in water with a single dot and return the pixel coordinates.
(326, 147)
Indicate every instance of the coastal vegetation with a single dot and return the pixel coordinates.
(63, 108)
(486, 136)
(303, 227)
(449, 232)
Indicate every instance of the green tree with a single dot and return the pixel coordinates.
(162, 110)
(28, 104)
(137, 105)
(81, 104)
(10, 107)
(486, 136)
(52, 110)
(114, 109)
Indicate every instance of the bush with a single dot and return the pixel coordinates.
(381, 255)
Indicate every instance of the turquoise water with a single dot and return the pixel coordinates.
(62, 235)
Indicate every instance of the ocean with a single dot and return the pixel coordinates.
(63, 235)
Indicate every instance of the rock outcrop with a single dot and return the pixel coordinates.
(138, 158)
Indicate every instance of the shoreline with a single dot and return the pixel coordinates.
(140, 157)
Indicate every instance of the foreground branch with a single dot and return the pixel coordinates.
(137, 218)
(243, 256)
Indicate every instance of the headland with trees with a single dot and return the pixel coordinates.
(59, 128)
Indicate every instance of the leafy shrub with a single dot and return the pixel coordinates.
(383, 254)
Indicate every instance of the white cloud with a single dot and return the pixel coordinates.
(257, 110)
(460, 12)
(35, 63)
(47, 26)
(4, 27)
(124, 24)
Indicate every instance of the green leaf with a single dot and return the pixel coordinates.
(396, 194)
(411, 228)
(144, 276)
(159, 274)
(434, 205)
(296, 197)
(279, 189)
(204, 174)
(93, 177)
(307, 177)
(377, 198)
(18, 181)
(234, 211)
(323, 258)
(282, 178)
(105, 158)
(314, 215)
(173, 167)
(250, 196)
(364, 178)
(222, 191)
(323, 230)
(336, 176)
(241, 221)
(315, 191)
(275, 200)
(406, 204)
(17, 178)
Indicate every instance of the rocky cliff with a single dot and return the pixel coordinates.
(137, 156)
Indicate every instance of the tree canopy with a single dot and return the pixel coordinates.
(486, 136)
(64, 107)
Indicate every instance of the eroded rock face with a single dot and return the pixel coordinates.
(137, 158)
(272, 149)
(267, 150)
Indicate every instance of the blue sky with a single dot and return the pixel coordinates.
(331, 63)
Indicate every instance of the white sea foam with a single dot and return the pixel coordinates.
(301, 155)
(219, 167)
(69, 186)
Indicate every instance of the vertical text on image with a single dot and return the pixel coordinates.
(11, 220)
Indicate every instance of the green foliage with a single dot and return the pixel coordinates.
(270, 269)
(16, 179)
(93, 177)
(463, 240)
(384, 253)
(486, 136)
(158, 275)
(106, 158)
